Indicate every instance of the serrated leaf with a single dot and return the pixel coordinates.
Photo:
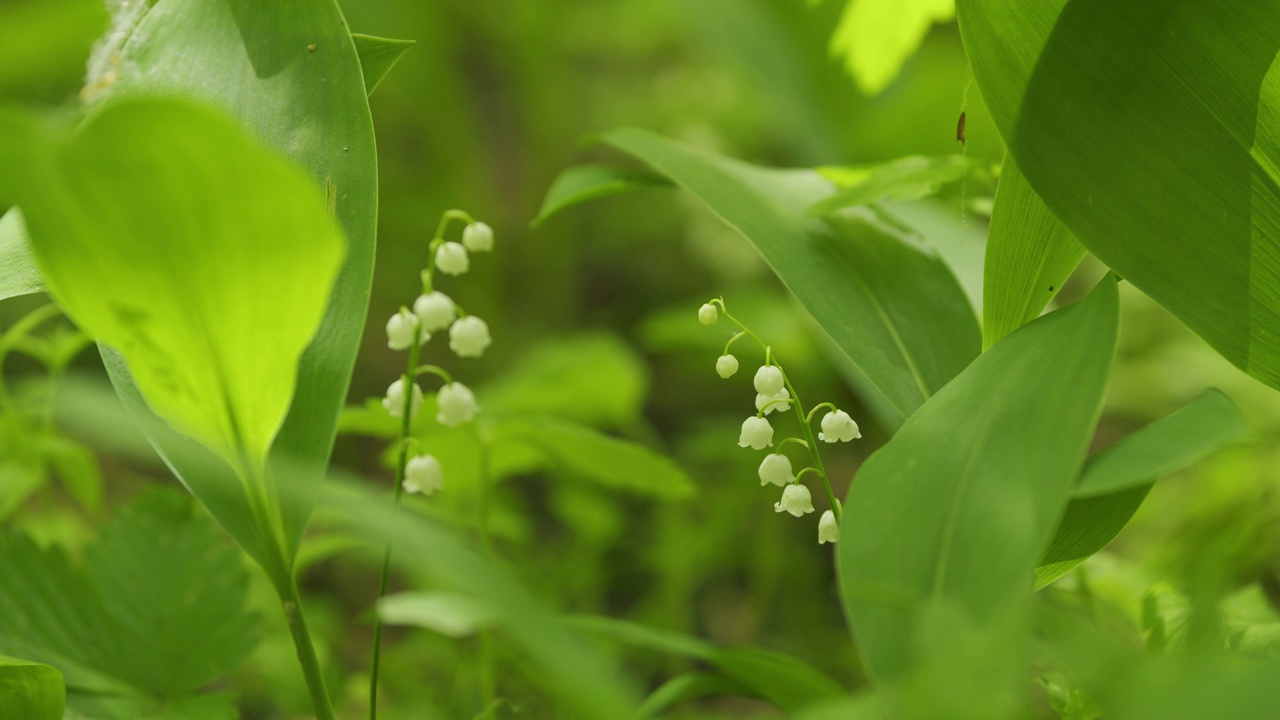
(30, 691)
(875, 37)
(377, 57)
(907, 178)
(953, 510)
(19, 274)
(583, 183)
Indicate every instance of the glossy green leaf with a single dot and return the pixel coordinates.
(615, 463)
(253, 61)
(1116, 479)
(582, 183)
(30, 691)
(1189, 212)
(1030, 254)
(907, 178)
(690, 686)
(152, 226)
(19, 274)
(154, 613)
(875, 37)
(377, 57)
(781, 679)
(887, 301)
(952, 512)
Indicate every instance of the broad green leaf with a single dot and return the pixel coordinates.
(1116, 479)
(1030, 254)
(875, 37)
(377, 57)
(953, 511)
(449, 614)
(781, 679)
(615, 463)
(887, 301)
(254, 61)
(168, 233)
(155, 612)
(907, 178)
(19, 274)
(1145, 128)
(690, 686)
(583, 183)
(30, 691)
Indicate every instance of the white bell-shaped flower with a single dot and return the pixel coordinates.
(423, 474)
(401, 329)
(451, 258)
(457, 405)
(795, 500)
(478, 237)
(828, 528)
(726, 366)
(707, 314)
(435, 310)
(838, 427)
(781, 401)
(769, 380)
(469, 336)
(757, 433)
(776, 469)
(394, 401)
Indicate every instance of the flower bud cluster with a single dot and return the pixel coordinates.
(775, 393)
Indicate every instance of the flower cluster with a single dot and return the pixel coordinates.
(411, 328)
(775, 392)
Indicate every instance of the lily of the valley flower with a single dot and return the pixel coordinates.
(776, 469)
(828, 528)
(469, 337)
(423, 474)
(757, 433)
(726, 366)
(707, 314)
(781, 401)
(838, 427)
(435, 310)
(769, 380)
(451, 258)
(478, 237)
(795, 500)
(401, 329)
(457, 405)
(394, 401)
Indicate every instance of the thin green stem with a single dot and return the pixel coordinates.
(307, 657)
(812, 445)
(433, 370)
(15, 334)
(488, 685)
(808, 470)
(809, 418)
(795, 440)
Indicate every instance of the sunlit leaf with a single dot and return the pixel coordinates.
(449, 614)
(582, 183)
(19, 274)
(954, 509)
(30, 691)
(908, 178)
(875, 37)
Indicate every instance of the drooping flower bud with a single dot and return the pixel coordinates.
(838, 427)
(423, 474)
(828, 528)
(401, 329)
(769, 380)
(726, 366)
(781, 401)
(478, 237)
(707, 314)
(457, 405)
(757, 433)
(435, 310)
(451, 258)
(795, 500)
(776, 469)
(394, 401)
(469, 336)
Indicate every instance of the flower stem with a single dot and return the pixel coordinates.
(488, 686)
(306, 652)
(812, 445)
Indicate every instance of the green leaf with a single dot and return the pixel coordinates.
(155, 613)
(613, 462)
(690, 686)
(19, 274)
(1189, 212)
(450, 614)
(907, 178)
(1030, 254)
(1116, 479)
(952, 512)
(781, 679)
(77, 468)
(377, 57)
(875, 37)
(30, 691)
(889, 303)
(583, 183)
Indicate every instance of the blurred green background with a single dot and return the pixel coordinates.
(495, 99)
